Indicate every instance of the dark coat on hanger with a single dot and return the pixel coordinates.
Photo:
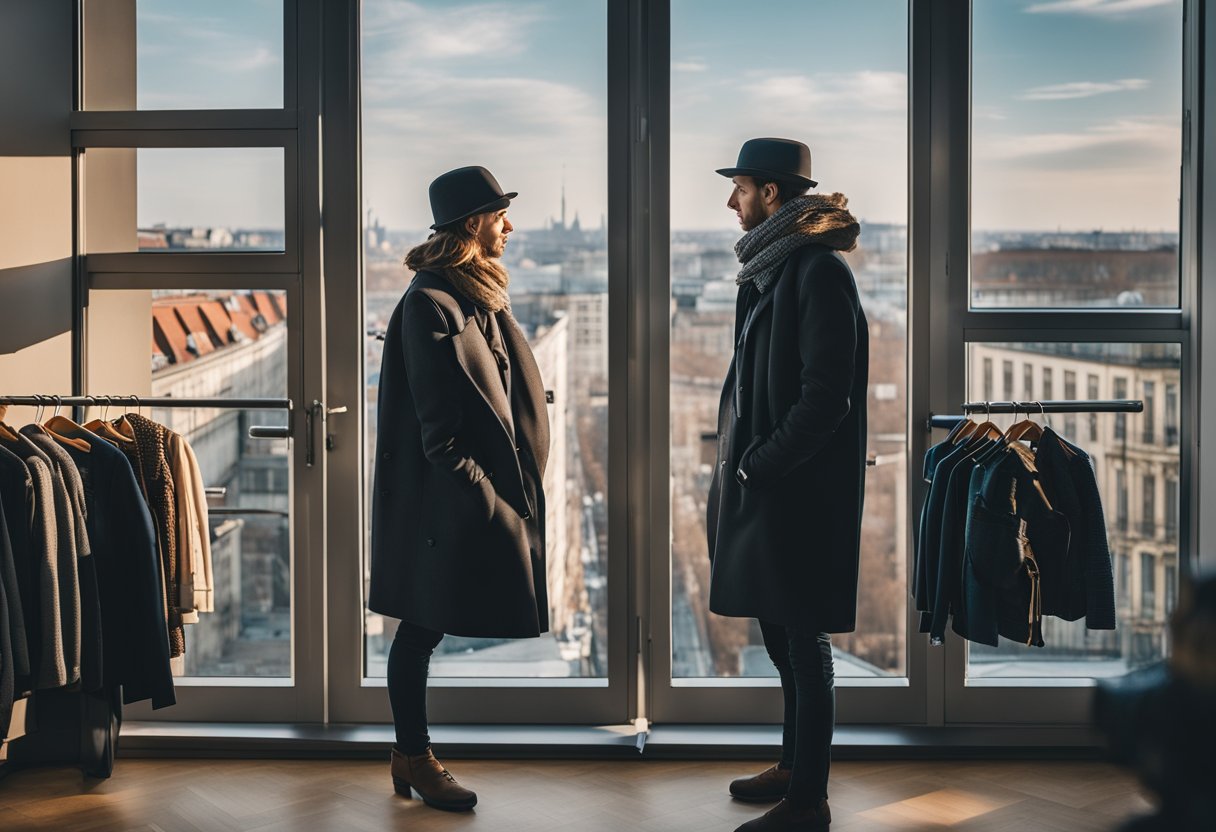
(458, 510)
(135, 641)
(785, 541)
(1083, 583)
(17, 501)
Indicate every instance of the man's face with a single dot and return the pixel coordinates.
(491, 230)
(752, 205)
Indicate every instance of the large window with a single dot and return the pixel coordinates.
(849, 104)
(1076, 145)
(522, 91)
(235, 158)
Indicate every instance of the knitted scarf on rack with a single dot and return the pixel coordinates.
(813, 218)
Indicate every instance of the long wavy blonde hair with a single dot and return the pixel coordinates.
(444, 249)
(459, 257)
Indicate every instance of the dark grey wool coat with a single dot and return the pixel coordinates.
(785, 541)
(458, 511)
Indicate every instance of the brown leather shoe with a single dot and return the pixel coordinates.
(431, 780)
(767, 786)
(785, 818)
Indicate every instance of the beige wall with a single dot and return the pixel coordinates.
(35, 199)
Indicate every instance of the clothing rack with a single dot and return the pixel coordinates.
(92, 738)
(1030, 408)
(150, 401)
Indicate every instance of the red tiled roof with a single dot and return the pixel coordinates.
(241, 315)
(169, 334)
(264, 305)
(217, 319)
(192, 320)
(210, 323)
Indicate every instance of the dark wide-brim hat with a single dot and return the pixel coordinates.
(464, 192)
(782, 159)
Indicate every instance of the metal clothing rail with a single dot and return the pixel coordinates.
(150, 401)
(1032, 407)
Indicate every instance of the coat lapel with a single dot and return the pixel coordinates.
(765, 299)
(531, 414)
(482, 369)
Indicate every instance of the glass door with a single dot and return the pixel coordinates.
(525, 93)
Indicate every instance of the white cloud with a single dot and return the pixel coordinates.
(1095, 7)
(865, 90)
(1160, 135)
(415, 32)
(689, 66)
(1082, 89)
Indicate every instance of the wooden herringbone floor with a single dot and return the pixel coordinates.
(653, 796)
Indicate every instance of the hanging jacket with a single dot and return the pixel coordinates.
(1083, 585)
(193, 529)
(948, 594)
(1011, 528)
(16, 564)
(8, 588)
(49, 669)
(935, 509)
(135, 642)
(76, 598)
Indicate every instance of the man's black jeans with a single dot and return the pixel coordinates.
(804, 662)
(409, 659)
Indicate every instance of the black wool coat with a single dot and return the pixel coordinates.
(458, 508)
(784, 535)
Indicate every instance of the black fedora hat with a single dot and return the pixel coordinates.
(463, 192)
(782, 159)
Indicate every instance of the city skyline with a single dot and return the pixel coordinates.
(522, 89)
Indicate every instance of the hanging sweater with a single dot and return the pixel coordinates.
(147, 457)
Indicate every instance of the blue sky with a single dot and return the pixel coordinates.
(1075, 108)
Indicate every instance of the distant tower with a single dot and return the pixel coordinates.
(563, 198)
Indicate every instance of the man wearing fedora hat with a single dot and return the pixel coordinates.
(458, 508)
(784, 509)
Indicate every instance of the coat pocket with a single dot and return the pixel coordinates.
(995, 544)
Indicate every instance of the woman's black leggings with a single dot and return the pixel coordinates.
(408, 661)
(804, 662)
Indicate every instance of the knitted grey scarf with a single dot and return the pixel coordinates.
(813, 218)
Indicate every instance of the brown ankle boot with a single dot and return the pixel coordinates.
(431, 780)
(784, 817)
(767, 786)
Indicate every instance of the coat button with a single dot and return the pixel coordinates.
(527, 515)
(490, 474)
(430, 541)
(386, 455)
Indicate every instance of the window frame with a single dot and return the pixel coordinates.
(1044, 700)
(294, 271)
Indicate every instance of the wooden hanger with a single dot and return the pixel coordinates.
(105, 429)
(57, 423)
(961, 431)
(1027, 429)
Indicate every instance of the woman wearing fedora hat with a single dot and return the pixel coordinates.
(458, 508)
